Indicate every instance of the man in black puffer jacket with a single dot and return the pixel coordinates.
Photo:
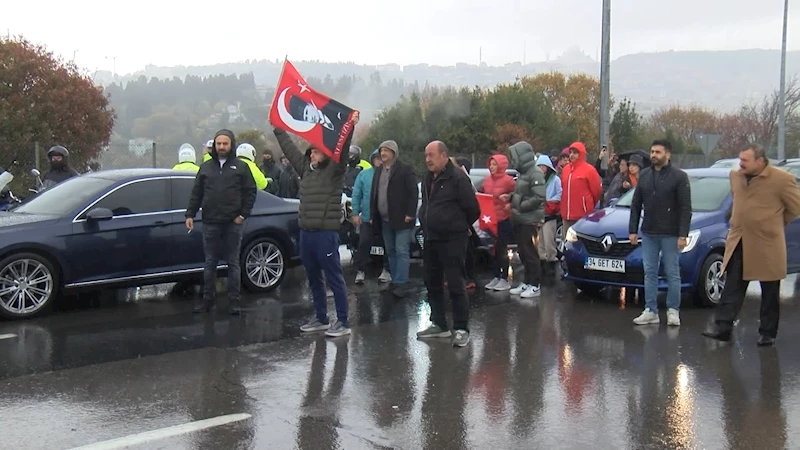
(321, 182)
(449, 208)
(225, 189)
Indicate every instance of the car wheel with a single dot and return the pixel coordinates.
(560, 240)
(263, 265)
(28, 285)
(711, 282)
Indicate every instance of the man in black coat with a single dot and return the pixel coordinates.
(393, 211)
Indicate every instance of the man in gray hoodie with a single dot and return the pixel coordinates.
(527, 215)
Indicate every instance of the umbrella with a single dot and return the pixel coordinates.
(627, 155)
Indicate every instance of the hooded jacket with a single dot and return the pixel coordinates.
(223, 192)
(582, 186)
(498, 184)
(552, 204)
(362, 189)
(289, 184)
(271, 171)
(320, 186)
(527, 201)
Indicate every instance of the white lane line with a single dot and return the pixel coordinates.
(149, 436)
(7, 336)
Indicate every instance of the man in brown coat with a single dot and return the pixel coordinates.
(765, 200)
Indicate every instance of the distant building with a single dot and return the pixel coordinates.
(140, 146)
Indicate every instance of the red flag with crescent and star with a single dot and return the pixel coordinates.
(315, 117)
(488, 219)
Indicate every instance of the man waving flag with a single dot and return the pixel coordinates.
(318, 119)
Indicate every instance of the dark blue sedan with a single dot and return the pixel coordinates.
(598, 252)
(123, 228)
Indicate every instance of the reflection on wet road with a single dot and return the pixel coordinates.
(563, 371)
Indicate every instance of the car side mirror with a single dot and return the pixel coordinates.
(99, 214)
(613, 202)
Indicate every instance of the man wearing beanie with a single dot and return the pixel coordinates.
(321, 183)
(225, 190)
(393, 210)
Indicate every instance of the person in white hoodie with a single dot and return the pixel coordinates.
(548, 252)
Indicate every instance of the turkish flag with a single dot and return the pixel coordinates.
(488, 219)
(298, 109)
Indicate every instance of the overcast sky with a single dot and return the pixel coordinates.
(173, 32)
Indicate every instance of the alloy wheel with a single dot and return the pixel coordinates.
(264, 264)
(26, 286)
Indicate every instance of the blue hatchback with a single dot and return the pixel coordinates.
(598, 252)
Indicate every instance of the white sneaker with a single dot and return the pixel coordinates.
(502, 285)
(532, 291)
(492, 283)
(673, 317)
(647, 318)
(522, 287)
(385, 276)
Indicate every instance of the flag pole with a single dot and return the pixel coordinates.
(275, 95)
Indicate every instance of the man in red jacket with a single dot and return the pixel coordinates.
(581, 187)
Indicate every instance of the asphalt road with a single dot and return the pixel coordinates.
(135, 369)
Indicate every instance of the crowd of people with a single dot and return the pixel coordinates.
(561, 187)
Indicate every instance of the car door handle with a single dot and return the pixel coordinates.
(160, 223)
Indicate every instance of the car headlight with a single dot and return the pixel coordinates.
(691, 241)
(572, 236)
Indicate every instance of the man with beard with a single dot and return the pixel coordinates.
(664, 194)
(271, 170)
(59, 167)
(225, 189)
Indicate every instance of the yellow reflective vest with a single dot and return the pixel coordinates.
(187, 167)
(206, 157)
(364, 164)
(258, 175)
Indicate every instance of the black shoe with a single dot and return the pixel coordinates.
(234, 309)
(766, 341)
(398, 291)
(724, 336)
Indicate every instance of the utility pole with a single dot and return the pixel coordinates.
(782, 91)
(605, 66)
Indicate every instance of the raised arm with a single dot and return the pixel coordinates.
(296, 158)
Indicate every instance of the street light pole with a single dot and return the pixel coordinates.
(782, 90)
(605, 67)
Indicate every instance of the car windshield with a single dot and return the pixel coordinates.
(708, 193)
(794, 170)
(65, 197)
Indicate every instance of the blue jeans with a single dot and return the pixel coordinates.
(397, 243)
(667, 248)
(319, 251)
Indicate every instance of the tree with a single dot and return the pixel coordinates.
(626, 128)
(44, 99)
(684, 124)
(575, 101)
(253, 137)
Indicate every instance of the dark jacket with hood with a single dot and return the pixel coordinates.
(225, 192)
(59, 171)
(320, 186)
(666, 198)
(449, 206)
(530, 192)
(289, 184)
(272, 170)
(401, 195)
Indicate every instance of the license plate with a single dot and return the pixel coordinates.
(375, 250)
(605, 264)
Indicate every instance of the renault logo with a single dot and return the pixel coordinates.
(607, 242)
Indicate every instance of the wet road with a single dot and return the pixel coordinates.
(564, 371)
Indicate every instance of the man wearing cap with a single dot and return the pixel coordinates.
(207, 150)
(225, 190)
(393, 210)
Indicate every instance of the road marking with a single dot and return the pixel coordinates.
(177, 430)
(7, 336)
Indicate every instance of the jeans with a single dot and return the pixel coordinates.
(444, 260)
(733, 297)
(504, 233)
(665, 249)
(319, 251)
(222, 239)
(525, 234)
(365, 239)
(397, 243)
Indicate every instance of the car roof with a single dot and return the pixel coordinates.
(125, 174)
(709, 172)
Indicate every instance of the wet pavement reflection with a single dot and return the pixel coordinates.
(563, 371)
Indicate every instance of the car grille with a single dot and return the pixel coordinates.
(617, 250)
(633, 275)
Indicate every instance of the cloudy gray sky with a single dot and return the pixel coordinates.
(172, 32)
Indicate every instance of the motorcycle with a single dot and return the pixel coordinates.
(40, 185)
(7, 198)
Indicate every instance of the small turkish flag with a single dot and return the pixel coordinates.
(488, 219)
(315, 117)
